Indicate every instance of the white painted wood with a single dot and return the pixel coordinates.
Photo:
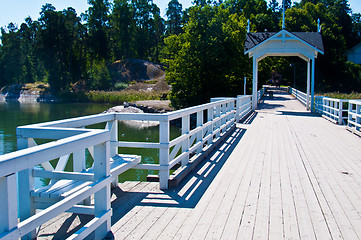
(163, 154)
(200, 132)
(33, 222)
(8, 203)
(22, 159)
(313, 84)
(255, 83)
(102, 197)
(75, 141)
(79, 161)
(25, 177)
(91, 226)
(63, 160)
(185, 142)
(77, 176)
(308, 85)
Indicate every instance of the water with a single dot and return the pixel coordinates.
(15, 114)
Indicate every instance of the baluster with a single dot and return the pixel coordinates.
(238, 108)
(8, 203)
(210, 114)
(26, 185)
(102, 197)
(112, 126)
(185, 143)
(200, 133)
(218, 123)
(164, 155)
(224, 120)
(340, 108)
(358, 117)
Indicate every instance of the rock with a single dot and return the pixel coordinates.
(132, 123)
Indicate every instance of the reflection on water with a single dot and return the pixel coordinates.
(16, 114)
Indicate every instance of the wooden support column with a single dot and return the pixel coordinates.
(313, 85)
(308, 84)
(113, 128)
(164, 155)
(26, 180)
(255, 84)
(102, 197)
(8, 203)
(185, 143)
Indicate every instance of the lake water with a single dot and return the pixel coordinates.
(15, 114)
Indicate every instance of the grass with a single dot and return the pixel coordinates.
(113, 97)
(353, 95)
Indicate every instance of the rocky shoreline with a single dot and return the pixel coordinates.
(16, 93)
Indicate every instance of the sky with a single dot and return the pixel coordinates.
(17, 10)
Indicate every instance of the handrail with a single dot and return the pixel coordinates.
(300, 96)
(260, 94)
(332, 109)
(354, 117)
(70, 137)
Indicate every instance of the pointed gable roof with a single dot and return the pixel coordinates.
(314, 39)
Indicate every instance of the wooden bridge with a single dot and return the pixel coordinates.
(284, 173)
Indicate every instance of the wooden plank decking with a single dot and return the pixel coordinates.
(284, 174)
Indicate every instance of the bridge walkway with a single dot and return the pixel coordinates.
(285, 173)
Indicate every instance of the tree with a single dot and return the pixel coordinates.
(331, 67)
(57, 40)
(12, 58)
(207, 60)
(97, 22)
(148, 24)
(122, 27)
(174, 18)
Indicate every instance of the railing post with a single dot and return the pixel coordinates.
(238, 108)
(113, 128)
(218, 123)
(8, 203)
(200, 133)
(210, 113)
(357, 117)
(102, 197)
(185, 143)
(26, 185)
(224, 110)
(340, 112)
(164, 155)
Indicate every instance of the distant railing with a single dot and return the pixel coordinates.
(300, 96)
(332, 109)
(202, 127)
(260, 93)
(354, 117)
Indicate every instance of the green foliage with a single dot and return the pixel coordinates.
(202, 45)
(113, 97)
(338, 95)
(206, 60)
(120, 86)
(99, 76)
(174, 16)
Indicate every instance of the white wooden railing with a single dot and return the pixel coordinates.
(70, 138)
(300, 96)
(354, 117)
(332, 109)
(260, 94)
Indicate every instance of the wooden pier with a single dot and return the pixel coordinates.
(284, 173)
